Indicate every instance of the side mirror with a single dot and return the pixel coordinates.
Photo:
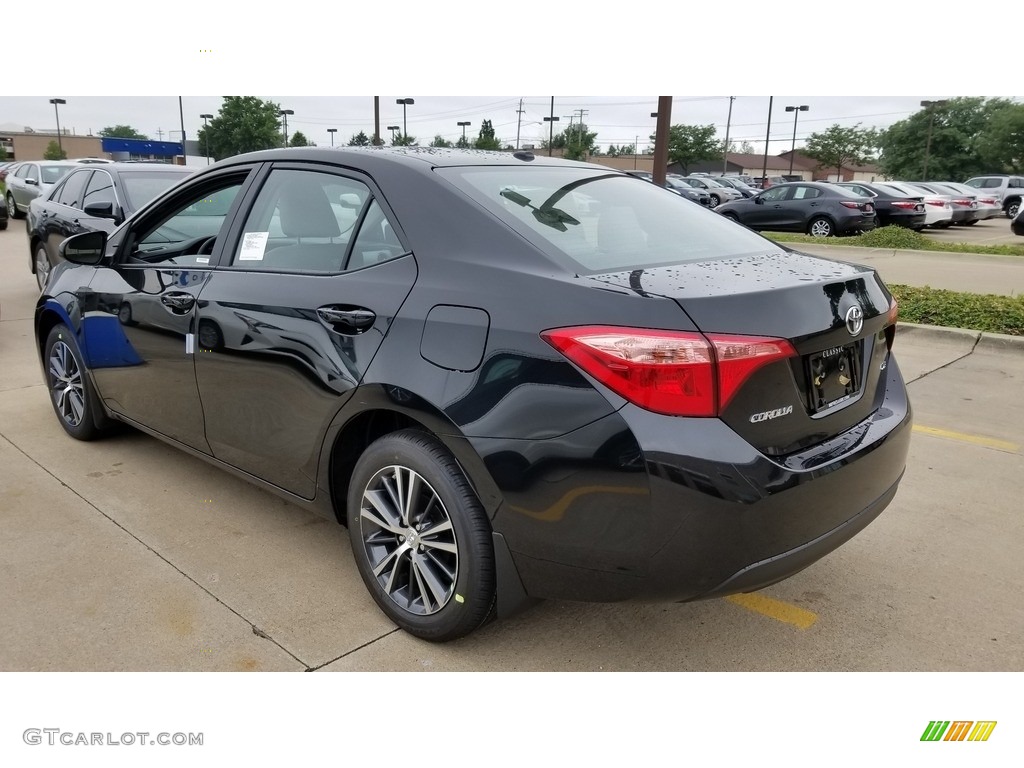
(32, 182)
(100, 210)
(758, 199)
(85, 248)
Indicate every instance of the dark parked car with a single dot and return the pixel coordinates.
(30, 180)
(504, 394)
(1017, 222)
(91, 197)
(891, 208)
(3, 214)
(683, 189)
(737, 184)
(813, 207)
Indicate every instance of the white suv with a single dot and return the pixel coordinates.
(1009, 190)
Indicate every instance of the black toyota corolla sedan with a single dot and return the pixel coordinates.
(512, 377)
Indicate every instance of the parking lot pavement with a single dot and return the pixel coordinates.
(126, 554)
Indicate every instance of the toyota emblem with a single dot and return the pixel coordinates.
(854, 320)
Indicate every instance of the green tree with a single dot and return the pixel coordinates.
(839, 146)
(440, 141)
(299, 139)
(359, 140)
(689, 144)
(961, 145)
(576, 141)
(243, 124)
(463, 143)
(403, 140)
(487, 139)
(53, 152)
(1001, 146)
(122, 132)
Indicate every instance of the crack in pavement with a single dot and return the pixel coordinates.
(252, 625)
(970, 352)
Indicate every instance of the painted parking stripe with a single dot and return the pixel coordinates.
(988, 442)
(775, 609)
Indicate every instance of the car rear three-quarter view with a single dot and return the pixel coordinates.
(511, 377)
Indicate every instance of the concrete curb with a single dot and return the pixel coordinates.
(992, 342)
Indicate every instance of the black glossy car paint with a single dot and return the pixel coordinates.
(590, 497)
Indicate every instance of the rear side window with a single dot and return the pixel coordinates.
(591, 221)
(73, 189)
(100, 190)
(807, 193)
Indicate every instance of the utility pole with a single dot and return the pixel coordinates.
(661, 139)
(725, 152)
(582, 125)
(552, 120)
(181, 116)
(376, 123)
(764, 170)
(519, 121)
(160, 134)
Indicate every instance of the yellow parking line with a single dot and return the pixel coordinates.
(775, 609)
(988, 442)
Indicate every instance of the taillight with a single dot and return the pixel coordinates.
(678, 373)
(907, 205)
(939, 203)
(890, 324)
(850, 204)
(963, 201)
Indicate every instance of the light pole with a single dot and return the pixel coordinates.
(393, 128)
(767, 136)
(796, 114)
(284, 113)
(405, 103)
(551, 119)
(931, 119)
(332, 131)
(60, 146)
(206, 135)
(463, 125)
(725, 152)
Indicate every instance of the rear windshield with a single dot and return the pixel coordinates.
(594, 221)
(54, 173)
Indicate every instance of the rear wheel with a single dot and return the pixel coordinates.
(42, 264)
(820, 227)
(731, 217)
(420, 537)
(971, 223)
(71, 394)
(715, 200)
(12, 208)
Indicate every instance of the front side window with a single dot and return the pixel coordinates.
(302, 221)
(592, 221)
(192, 220)
(775, 195)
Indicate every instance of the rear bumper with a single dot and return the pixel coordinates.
(685, 509)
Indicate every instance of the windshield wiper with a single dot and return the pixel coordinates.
(547, 215)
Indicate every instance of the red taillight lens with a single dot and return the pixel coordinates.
(937, 203)
(962, 201)
(890, 324)
(672, 372)
(850, 204)
(907, 205)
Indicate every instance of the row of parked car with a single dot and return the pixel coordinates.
(823, 208)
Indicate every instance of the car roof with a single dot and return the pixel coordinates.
(410, 156)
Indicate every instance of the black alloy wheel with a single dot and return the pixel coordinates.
(70, 391)
(420, 537)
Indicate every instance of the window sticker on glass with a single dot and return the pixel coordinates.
(253, 246)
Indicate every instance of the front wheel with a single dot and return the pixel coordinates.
(715, 201)
(420, 537)
(820, 227)
(71, 393)
(731, 217)
(1012, 208)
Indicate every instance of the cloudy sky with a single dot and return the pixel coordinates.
(328, 61)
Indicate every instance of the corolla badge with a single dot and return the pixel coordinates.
(854, 320)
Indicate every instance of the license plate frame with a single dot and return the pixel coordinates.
(834, 376)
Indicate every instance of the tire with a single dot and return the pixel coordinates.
(71, 394)
(443, 586)
(3, 225)
(943, 225)
(731, 217)
(1012, 208)
(42, 265)
(12, 208)
(970, 223)
(820, 226)
(715, 201)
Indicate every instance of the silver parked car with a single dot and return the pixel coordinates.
(719, 193)
(33, 179)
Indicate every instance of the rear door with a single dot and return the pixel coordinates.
(288, 324)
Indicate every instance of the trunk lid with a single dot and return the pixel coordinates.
(833, 313)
